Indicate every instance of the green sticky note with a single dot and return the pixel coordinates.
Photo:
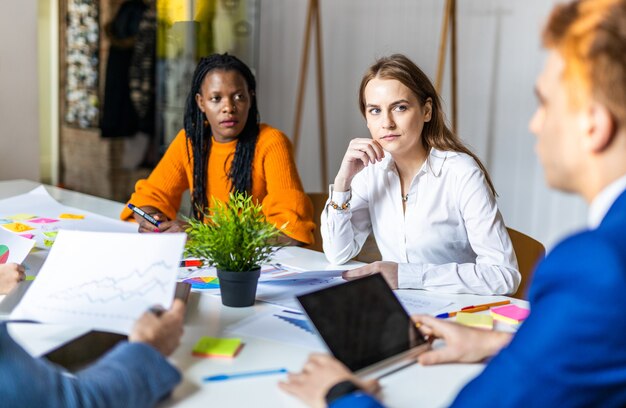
(48, 242)
(216, 347)
(29, 278)
(51, 234)
(475, 320)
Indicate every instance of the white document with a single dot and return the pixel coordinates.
(290, 275)
(41, 217)
(304, 259)
(103, 280)
(280, 324)
(40, 339)
(14, 248)
(415, 303)
(284, 292)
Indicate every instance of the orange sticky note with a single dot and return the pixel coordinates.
(72, 216)
(17, 227)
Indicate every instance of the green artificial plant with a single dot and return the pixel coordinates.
(235, 236)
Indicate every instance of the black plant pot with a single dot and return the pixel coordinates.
(238, 289)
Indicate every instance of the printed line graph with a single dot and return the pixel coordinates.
(103, 280)
(136, 284)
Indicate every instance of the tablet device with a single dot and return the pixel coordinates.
(84, 350)
(364, 326)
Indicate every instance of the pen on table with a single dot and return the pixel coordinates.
(189, 263)
(222, 377)
(472, 310)
(504, 302)
(144, 215)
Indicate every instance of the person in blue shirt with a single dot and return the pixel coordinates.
(133, 374)
(571, 351)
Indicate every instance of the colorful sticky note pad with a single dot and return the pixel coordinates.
(17, 227)
(510, 314)
(204, 282)
(21, 217)
(72, 216)
(43, 220)
(482, 321)
(216, 347)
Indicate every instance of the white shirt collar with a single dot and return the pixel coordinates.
(434, 162)
(603, 201)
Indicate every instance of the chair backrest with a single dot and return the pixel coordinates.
(529, 253)
(319, 201)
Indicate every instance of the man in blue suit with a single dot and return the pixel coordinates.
(133, 374)
(571, 351)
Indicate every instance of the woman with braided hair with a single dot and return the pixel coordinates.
(222, 149)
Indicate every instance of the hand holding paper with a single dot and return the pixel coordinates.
(96, 279)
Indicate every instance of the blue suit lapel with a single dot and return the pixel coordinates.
(617, 212)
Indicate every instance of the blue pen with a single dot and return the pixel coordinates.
(222, 377)
(144, 215)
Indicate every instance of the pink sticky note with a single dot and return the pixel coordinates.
(510, 314)
(29, 236)
(43, 220)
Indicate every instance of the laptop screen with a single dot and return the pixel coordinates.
(361, 321)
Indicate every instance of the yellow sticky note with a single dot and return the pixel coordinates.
(216, 347)
(72, 216)
(21, 217)
(475, 320)
(17, 227)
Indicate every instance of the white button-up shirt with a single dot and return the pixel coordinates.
(451, 238)
(602, 203)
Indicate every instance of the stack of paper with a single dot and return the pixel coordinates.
(36, 215)
(510, 314)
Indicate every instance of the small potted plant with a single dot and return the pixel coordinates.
(236, 238)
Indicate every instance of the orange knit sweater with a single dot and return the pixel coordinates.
(275, 182)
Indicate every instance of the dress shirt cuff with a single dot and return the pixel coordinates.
(410, 276)
(340, 197)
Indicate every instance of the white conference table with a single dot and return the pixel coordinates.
(206, 316)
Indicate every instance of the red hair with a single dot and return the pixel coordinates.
(590, 36)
